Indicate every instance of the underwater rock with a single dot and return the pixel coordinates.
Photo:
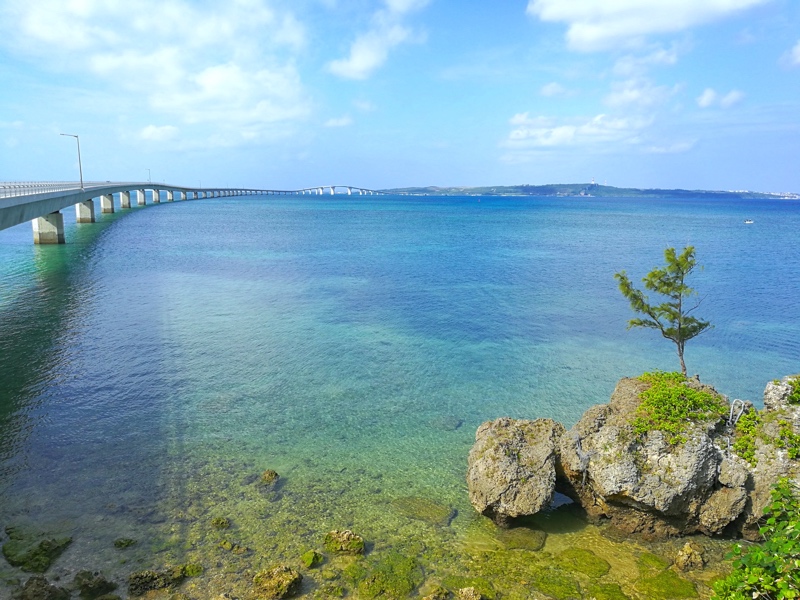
(92, 585)
(344, 542)
(311, 559)
(280, 582)
(426, 510)
(512, 467)
(690, 557)
(584, 561)
(32, 551)
(38, 588)
(269, 478)
(121, 543)
(438, 593)
(221, 523)
(146, 581)
(469, 593)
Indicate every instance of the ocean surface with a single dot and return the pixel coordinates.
(156, 364)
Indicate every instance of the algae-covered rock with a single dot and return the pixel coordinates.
(483, 586)
(192, 570)
(438, 593)
(666, 585)
(512, 467)
(311, 559)
(38, 588)
(469, 593)
(269, 478)
(123, 542)
(555, 582)
(393, 576)
(344, 542)
(92, 585)
(146, 581)
(605, 591)
(276, 583)
(33, 551)
(220, 523)
(690, 557)
(424, 509)
(584, 561)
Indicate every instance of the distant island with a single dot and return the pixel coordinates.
(586, 189)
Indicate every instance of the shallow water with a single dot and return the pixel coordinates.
(166, 356)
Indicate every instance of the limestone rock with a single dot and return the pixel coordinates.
(31, 550)
(690, 557)
(469, 593)
(38, 588)
(344, 542)
(92, 585)
(512, 467)
(277, 583)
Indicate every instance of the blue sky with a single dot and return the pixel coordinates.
(388, 93)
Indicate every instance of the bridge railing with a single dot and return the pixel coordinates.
(25, 188)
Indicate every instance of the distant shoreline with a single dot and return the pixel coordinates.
(589, 190)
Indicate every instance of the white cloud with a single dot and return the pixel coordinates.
(631, 65)
(794, 55)
(710, 98)
(364, 105)
(344, 121)
(636, 92)
(707, 98)
(229, 68)
(158, 134)
(545, 132)
(370, 50)
(674, 148)
(604, 24)
(552, 89)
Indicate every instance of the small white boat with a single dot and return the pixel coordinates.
(748, 221)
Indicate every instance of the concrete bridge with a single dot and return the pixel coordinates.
(42, 202)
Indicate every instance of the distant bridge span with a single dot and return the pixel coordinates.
(41, 202)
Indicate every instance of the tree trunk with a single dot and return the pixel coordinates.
(683, 364)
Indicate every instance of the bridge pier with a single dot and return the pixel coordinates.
(84, 212)
(140, 198)
(181, 195)
(170, 196)
(124, 199)
(49, 229)
(107, 203)
(156, 196)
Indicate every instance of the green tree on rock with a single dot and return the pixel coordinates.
(672, 318)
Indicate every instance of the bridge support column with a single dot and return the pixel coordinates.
(156, 196)
(49, 229)
(125, 199)
(181, 195)
(107, 203)
(84, 212)
(170, 196)
(140, 198)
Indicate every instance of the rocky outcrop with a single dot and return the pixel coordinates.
(512, 467)
(642, 479)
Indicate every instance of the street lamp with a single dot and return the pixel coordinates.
(80, 166)
(148, 175)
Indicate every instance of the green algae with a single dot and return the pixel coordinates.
(123, 542)
(605, 591)
(481, 584)
(665, 586)
(311, 559)
(584, 561)
(33, 551)
(555, 582)
(522, 538)
(393, 575)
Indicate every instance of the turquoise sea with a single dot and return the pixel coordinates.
(155, 365)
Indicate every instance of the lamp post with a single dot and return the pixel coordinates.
(148, 175)
(80, 166)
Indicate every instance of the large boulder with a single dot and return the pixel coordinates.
(512, 467)
(644, 482)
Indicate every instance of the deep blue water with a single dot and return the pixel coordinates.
(343, 340)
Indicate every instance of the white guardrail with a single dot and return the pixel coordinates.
(27, 188)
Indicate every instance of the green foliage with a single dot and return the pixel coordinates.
(788, 439)
(794, 397)
(671, 317)
(669, 405)
(770, 570)
(747, 428)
